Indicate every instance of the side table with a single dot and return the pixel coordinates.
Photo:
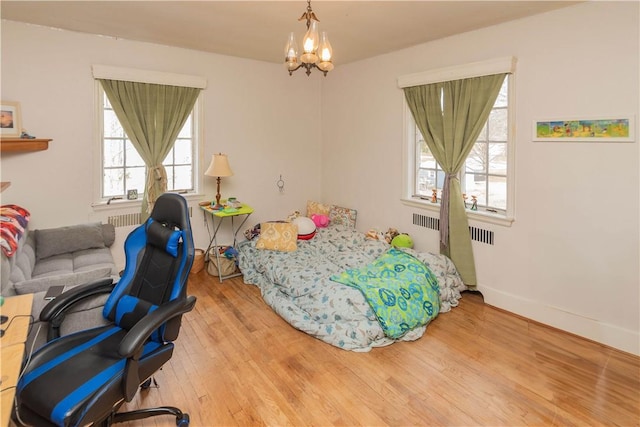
(18, 311)
(217, 218)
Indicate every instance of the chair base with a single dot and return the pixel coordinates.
(182, 419)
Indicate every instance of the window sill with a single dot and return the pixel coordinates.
(126, 204)
(486, 217)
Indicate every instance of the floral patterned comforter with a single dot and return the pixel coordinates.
(298, 286)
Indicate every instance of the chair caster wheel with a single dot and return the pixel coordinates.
(145, 385)
(183, 421)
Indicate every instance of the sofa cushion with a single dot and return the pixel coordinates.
(55, 241)
(69, 280)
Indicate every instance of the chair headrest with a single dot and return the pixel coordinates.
(163, 237)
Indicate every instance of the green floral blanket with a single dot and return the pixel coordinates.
(400, 289)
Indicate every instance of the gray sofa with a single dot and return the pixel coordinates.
(68, 256)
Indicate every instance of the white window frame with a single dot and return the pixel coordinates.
(495, 66)
(144, 76)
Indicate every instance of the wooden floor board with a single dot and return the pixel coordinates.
(237, 362)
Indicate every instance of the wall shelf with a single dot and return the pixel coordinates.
(14, 145)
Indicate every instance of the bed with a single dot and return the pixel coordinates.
(306, 285)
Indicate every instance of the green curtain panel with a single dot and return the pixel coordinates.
(152, 115)
(450, 116)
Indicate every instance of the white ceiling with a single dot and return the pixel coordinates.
(259, 29)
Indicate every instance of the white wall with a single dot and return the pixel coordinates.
(569, 260)
(571, 257)
(254, 112)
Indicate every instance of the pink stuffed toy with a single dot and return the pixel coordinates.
(320, 220)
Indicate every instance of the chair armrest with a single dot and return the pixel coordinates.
(138, 335)
(65, 300)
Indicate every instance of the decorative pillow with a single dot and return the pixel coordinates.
(278, 236)
(317, 208)
(55, 241)
(343, 216)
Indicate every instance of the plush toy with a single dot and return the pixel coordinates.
(390, 234)
(293, 215)
(306, 228)
(402, 241)
(320, 220)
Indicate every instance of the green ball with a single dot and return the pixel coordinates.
(402, 241)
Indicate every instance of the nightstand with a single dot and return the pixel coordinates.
(217, 218)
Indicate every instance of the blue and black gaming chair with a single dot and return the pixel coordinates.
(83, 378)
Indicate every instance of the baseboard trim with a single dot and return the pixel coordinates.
(610, 335)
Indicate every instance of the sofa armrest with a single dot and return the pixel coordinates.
(43, 283)
(55, 311)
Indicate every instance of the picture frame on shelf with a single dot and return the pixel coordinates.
(584, 129)
(10, 119)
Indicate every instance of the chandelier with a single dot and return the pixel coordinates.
(317, 52)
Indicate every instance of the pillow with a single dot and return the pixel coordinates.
(61, 240)
(40, 284)
(317, 208)
(343, 216)
(278, 236)
(164, 238)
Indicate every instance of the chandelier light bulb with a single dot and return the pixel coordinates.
(316, 50)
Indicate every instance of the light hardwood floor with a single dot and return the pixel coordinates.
(237, 363)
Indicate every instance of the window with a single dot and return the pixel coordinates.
(122, 167)
(485, 172)
(488, 172)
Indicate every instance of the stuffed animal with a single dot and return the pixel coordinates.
(402, 241)
(320, 220)
(293, 215)
(390, 234)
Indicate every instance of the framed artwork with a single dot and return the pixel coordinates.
(10, 119)
(598, 129)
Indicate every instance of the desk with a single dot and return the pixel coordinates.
(18, 310)
(217, 218)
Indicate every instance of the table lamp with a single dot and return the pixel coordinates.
(219, 168)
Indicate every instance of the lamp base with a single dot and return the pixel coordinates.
(217, 207)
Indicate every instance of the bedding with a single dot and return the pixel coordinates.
(298, 286)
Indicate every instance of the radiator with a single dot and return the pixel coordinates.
(477, 234)
(129, 219)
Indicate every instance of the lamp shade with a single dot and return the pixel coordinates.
(219, 166)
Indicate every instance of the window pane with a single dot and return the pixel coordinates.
(476, 185)
(498, 125)
(133, 158)
(170, 178)
(135, 179)
(112, 125)
(182, 178)
(503, 98)
(113, 153)
(483, 134)
(426, 158)
(426, 182)
(169, 159)
(113, 182)
(185, 132)
(497, 192)
(182, 152)
(477, 158)
(498, 158)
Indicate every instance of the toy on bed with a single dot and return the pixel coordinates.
(298, 285)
